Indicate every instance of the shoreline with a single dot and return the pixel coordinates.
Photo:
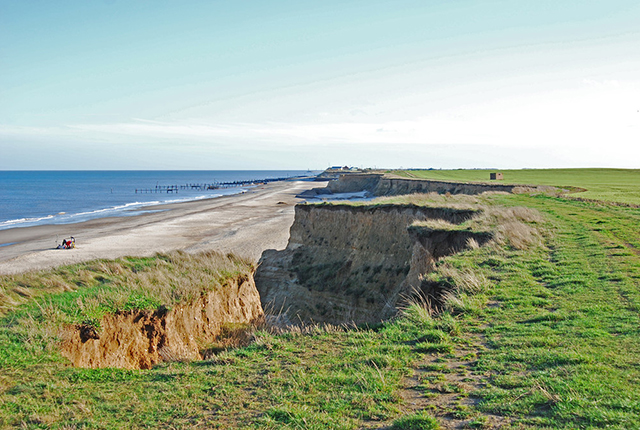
(245, 224)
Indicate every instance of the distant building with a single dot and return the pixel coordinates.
(342, 169)
(495, 176)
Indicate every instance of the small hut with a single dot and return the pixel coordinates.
(494, 176)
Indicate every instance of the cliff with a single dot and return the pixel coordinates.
(380, 185)
(349, 263)
(141, 339)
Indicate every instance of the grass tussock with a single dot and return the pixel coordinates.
(419, 421)
(419, 312)
(540, 190)
(513, 226)
(472, 243)
(438, 224)
(466, 280)
(457, 201)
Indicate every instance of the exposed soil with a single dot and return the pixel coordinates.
(357, 264)
(141, 339)
(384, 185)
(443, 385)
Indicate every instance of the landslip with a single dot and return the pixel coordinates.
(358, 264)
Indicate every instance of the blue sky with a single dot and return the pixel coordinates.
(278, 84)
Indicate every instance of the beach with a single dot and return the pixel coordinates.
(244, 224)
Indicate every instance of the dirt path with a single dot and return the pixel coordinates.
(442, 384)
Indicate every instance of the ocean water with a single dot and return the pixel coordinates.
(29, 198)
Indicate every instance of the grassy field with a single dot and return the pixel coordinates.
(613, 185)
(541, 333)
(561, 327)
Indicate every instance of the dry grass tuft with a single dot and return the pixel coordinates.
(464, 280)
(436, 224)
(457, 201)
(515, 226)
(278, 321)
(452, 302)
(517, 213)
(540, 189)
(518, 235)
(472, 243)
(171, 356)
(232, 336)
(419, 310)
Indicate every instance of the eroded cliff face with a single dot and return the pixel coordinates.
(356, 264)
(141, 339)
(381, 185)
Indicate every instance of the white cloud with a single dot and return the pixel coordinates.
(597, 123)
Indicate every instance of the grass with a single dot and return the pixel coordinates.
(106, 286)
(564, 319)
(541, 330)
(420, 421)
(319, 379)
(612, 185)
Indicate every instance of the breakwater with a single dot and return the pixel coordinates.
(212, 185)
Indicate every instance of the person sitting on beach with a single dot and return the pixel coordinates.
(68, 244)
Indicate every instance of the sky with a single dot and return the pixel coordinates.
(164, 84)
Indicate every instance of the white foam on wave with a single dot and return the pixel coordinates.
(127, 209)
(13, 222)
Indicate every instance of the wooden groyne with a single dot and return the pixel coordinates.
(158, 189)
(211, 186)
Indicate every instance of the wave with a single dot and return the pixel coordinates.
(126, 209)
(11, 222)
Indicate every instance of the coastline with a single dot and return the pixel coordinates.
(245, 224)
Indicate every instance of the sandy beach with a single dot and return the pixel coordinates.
(245, 224)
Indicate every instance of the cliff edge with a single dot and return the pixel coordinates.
(140, 339)
(380, 184)
(356, 264)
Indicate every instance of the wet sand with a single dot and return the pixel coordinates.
(245, 224)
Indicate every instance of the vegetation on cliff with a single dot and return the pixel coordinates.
(106, 286)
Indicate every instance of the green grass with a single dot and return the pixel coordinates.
(562, 338)
(107, 286)
(323, 379)
(549, 327)
(420, 421)
(612, 185)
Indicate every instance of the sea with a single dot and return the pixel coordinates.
(29, 198)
